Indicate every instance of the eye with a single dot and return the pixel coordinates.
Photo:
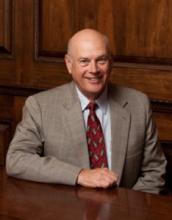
(84, 62)
(102, 60)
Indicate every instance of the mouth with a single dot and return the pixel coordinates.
(94, 79)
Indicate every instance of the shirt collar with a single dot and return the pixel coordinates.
(101, 101)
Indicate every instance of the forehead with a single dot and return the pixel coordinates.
(91, 46)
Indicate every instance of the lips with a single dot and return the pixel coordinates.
(94, 79)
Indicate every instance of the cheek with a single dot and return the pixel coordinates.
(77, 74)
(106, 72)
(105, 69)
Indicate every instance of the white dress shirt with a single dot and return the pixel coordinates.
(103, 113)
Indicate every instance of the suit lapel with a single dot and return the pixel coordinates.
(120, 122)
(75, 121)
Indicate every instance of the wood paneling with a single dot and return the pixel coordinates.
(168, 152)
(139, 31)
(4, 141)
(154, 82)
(33, 40)
(11, 110)
(48, 25)
(164, 124)
(145, 27)
(5, 26)
(10, 42)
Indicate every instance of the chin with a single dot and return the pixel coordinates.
(93, 91)
(93, 94)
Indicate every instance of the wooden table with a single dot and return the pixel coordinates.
(28, 200)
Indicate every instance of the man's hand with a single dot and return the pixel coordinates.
(99, 177)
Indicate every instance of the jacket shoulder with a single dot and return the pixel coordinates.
(52, 97)
(57, 92)
(120, 93)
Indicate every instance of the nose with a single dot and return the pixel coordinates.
(93, 67)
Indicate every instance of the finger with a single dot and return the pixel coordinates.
(103, 184)
(110, 174)
(105, 181)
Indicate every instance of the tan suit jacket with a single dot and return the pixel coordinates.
(50, 142)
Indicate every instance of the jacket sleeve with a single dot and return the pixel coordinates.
(23, 157)
(153, 166)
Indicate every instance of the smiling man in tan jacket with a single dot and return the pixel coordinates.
(50, 143)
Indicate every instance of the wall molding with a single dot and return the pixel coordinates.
(161, 106)
(18, 91)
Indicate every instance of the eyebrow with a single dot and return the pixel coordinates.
(103, 56)
(99, 57)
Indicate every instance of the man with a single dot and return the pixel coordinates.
(52, 142)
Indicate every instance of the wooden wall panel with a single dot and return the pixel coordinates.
(4, 141)
(154, 82)
(5, 26)
(10, 42)
(164, 124)
(168, 152)
(49, 25)
(145, 27)
(138, 30)
(10, 115)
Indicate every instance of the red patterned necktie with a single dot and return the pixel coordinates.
(95, 139)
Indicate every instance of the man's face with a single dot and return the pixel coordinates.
(89, 65)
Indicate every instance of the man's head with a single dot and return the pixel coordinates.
(88, 60)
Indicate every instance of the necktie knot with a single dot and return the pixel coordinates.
(92, 106)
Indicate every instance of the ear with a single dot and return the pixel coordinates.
(68, 63)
